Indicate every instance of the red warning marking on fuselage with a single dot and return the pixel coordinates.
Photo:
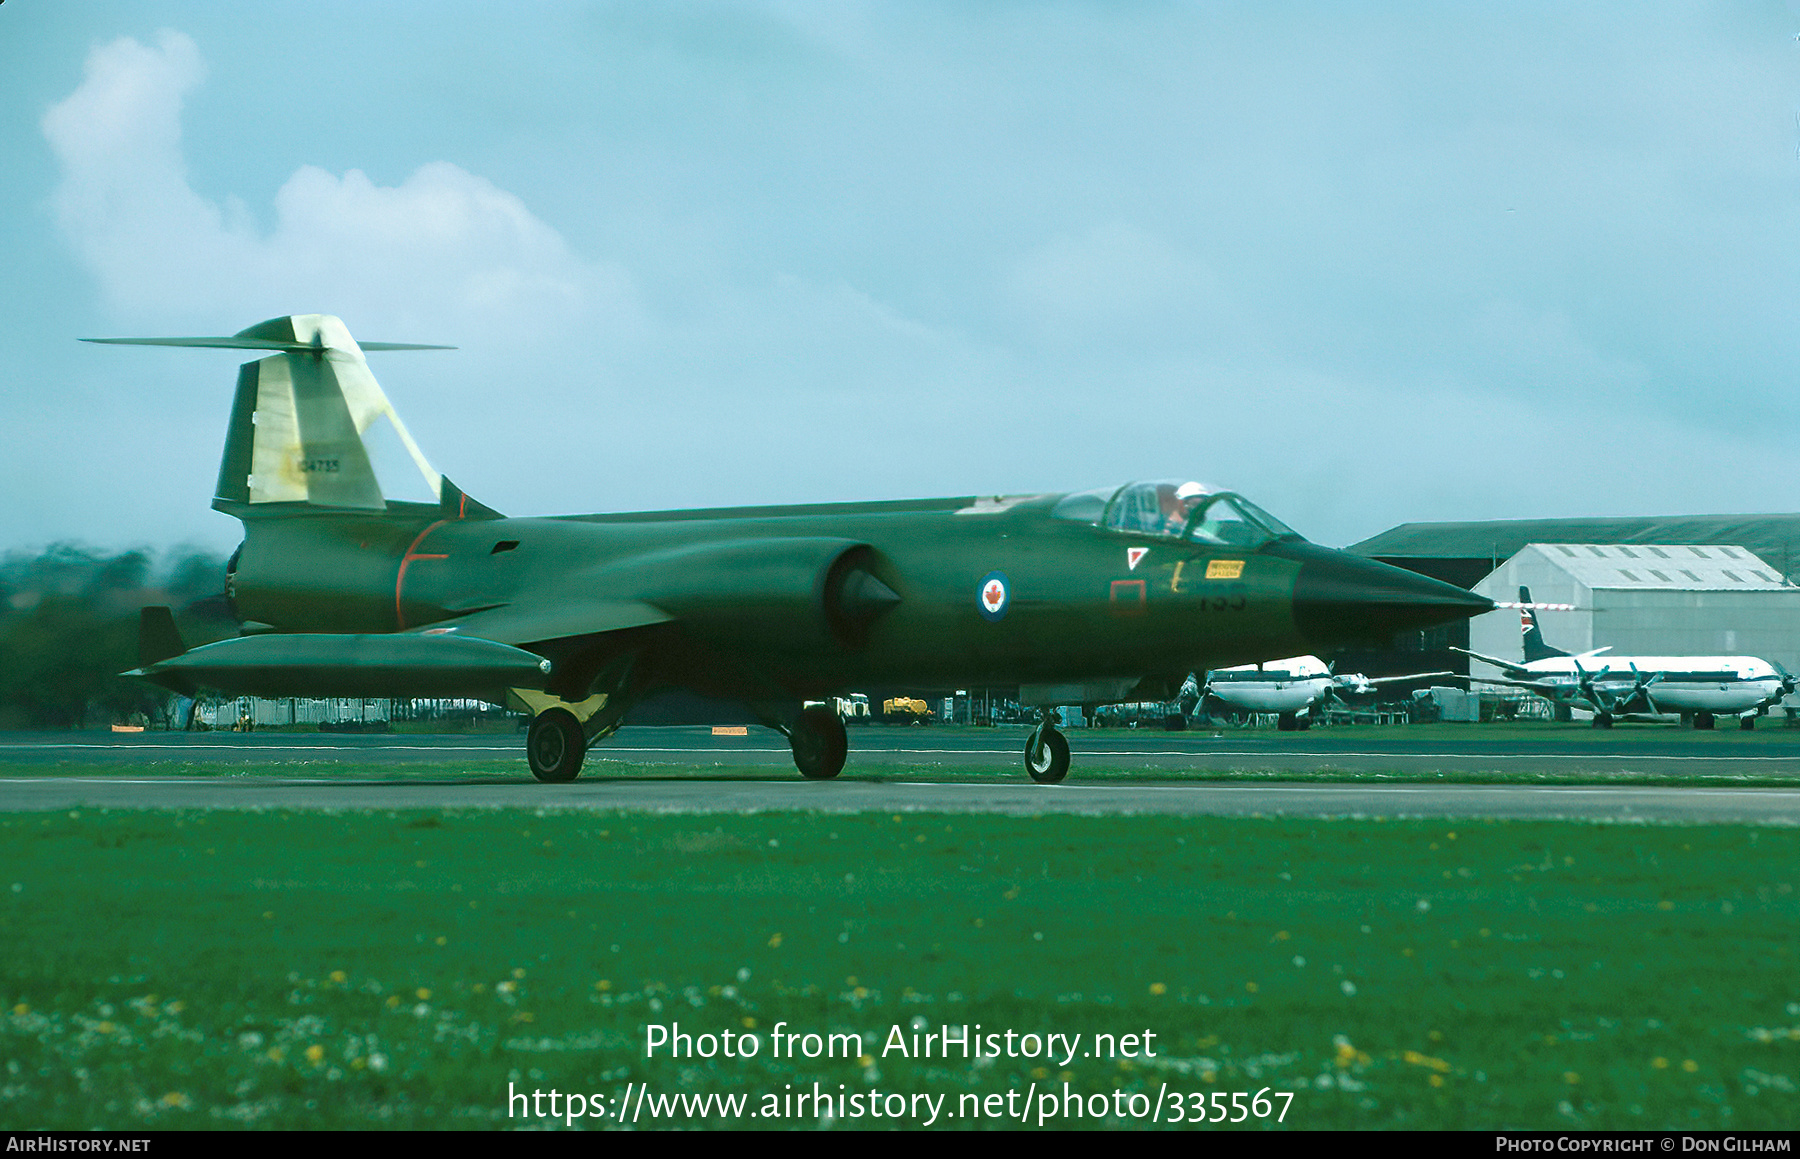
(406, 560)
(1135, 556)
(1128, 597)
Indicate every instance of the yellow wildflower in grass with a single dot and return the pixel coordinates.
(518, 971)
(1040, 1073)
(1571, 1077)
(1437, 1080)
(603, 984)
(105, 1028)
(315, 1053)
(423, 993)
(393, 1001)
(339, 977)
(276, 1054)
(1417, 1059)
(749, 1022)
(442, 940)
(1252, 987)
(175, 1007)
(1158, 988)
(1689, 1065)
(1660, 1063)
(775, 941)
(1665, 905)
(176, 1099)
(21, 1010)
(268, 915)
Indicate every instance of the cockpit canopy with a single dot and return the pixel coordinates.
(1173, 509)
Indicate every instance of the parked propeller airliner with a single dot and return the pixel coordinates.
(1294, 689)
(1610, 686)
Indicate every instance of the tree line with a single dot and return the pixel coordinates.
(69, 626)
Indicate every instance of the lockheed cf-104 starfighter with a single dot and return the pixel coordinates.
(1091, 597)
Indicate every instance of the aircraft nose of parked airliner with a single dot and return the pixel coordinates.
(1341, 599)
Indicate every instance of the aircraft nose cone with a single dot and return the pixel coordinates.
(1341, 599)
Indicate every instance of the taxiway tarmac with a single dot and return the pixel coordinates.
(684, 770)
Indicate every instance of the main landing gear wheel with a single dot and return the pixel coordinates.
(1703, 720)
(555, 746)
(819, 743)
(1603, 720)
(1047, 757)
(1747, 723)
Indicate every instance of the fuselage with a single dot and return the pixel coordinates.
(1030, 590)
(1720, 684)
(1296, 684)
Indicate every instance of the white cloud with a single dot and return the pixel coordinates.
(445, 248)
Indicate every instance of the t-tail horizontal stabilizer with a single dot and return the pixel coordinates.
(310, 426)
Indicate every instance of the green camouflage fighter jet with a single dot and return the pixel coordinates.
(1088, 598)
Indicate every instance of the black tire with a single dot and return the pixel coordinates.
(1053, 761)
(819, 743)
(555, 746)
(1287, 722)
(1747, 723)
(1703, 720)
(1602, 720)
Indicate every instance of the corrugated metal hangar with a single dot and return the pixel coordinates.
(1467, 553)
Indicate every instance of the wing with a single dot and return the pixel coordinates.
(521, 624)
(1503, 665)
(1403, 679)
(1540, 686)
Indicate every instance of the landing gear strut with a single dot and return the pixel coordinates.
(819, 743)
(555, 746)
(1703, 720)
(1047, 752)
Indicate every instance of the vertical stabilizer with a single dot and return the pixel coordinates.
(302, 421)
(311, 427)
(1535, 648)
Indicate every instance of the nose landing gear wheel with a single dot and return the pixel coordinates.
(819, 743)
(555, 746)
(1048, 761)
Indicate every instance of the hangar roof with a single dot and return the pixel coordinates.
(1775, 538)
(1684, 567)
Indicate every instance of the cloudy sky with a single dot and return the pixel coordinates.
(1367, 263)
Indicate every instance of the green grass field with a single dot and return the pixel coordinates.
(311, 970)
